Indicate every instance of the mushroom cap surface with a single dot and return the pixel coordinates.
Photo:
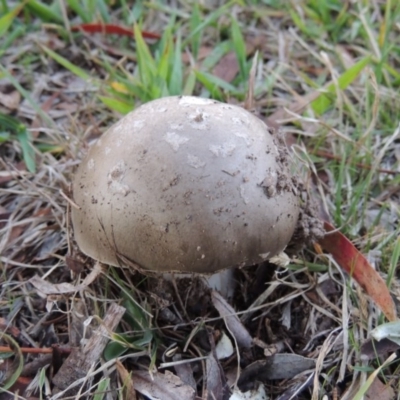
(185, 184)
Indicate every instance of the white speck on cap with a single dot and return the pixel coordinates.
(190, 101)
(224, 150)
(175, 140)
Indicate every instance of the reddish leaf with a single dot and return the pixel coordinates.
(357, 266)
(227, 67)
(111, 29)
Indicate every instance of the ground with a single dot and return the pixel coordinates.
(325, 75)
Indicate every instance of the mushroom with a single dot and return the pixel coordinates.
(185, 184)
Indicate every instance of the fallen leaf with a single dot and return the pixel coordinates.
(357, 266)
(360, 388)
(61, 288)
(294, 389)
(111, 29)
(128, 391)
(10, 100)
(371, 349)
(158, 386)
(235, 327)
(379, 390)
(215, 381)
(389, 331)
(227, 67)
(278, 366)
(184, 371)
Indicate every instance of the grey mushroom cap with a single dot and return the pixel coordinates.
(185, 184)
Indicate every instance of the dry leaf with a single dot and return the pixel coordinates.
(227, 67)
(61, 288)
(128, 389)
(161, 386)
(10, 100)
(379, 390)
(235, 327)
(278, 366)
(215, 382)
(372, 349)
(357, 266)
(184, 371)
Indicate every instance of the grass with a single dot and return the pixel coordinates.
(332, 65)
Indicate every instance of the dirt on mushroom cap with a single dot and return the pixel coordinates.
(186, 184)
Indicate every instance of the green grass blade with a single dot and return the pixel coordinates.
(67, 64)
(79, 8)
(99, 7)
(4, 137)
(189, 84)
(195, 21)
(43, 11)
(163, 57)
(209, 83)
(323, 102)
(114, 350)
(14, 370)
(11, 36)
(12, 126)
(394, 262)
(213, 84)
(175, 84)
(147, 65)
(7, 19)
(117, 105)
(28, 153)
(209, 20)
(364, 388)
(102, 389)
(239, 48)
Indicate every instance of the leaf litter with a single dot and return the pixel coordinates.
(186, 321)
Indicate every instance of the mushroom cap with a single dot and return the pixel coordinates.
(185, 184)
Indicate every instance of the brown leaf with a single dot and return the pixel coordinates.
(184, 371)
(278, 366)
(236, 328)
(204, 51)
(112, 29)
(10, 100)
(379, 390)
(357, 266)
(227, 67)
(215, 382)
(65, 287)
(372, 349)
(6, 327)
(161, 386)
(129, 391)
